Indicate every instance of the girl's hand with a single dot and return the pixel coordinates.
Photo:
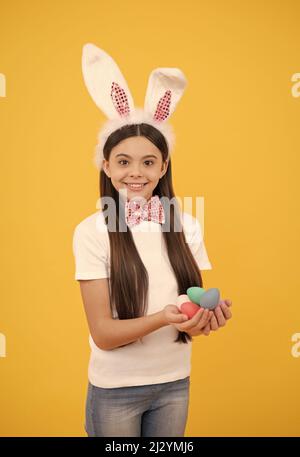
(221, 315)
(196, 324)
(172, 315)
(222, 312)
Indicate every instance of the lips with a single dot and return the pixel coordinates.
(135, 185)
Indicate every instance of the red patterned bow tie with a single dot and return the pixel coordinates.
(150, 211)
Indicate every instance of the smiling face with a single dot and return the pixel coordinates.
(135, 160)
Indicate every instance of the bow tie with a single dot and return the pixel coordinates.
(150, 211)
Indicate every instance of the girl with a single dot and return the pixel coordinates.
(139, 368)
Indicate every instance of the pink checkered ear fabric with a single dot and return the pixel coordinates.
(110, 92)
(150, 211)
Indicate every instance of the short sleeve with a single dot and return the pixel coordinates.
(90, 253)
(194, 238)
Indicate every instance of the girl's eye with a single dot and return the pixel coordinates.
(127, 161)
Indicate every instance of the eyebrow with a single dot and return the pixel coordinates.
(145, 157)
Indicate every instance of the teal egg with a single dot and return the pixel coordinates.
(210, 298)
(194, 294)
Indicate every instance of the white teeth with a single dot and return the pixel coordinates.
(136, 186)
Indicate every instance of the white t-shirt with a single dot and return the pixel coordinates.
(157, 359)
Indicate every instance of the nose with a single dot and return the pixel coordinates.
(135, 171)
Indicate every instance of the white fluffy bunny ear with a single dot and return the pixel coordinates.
(165, 89)
(105, 82)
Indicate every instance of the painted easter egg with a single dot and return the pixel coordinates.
(210, 298)
(181, 299)
(194, 294)
(189, 308)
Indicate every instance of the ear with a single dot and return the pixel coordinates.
(164, 168)
(105, 82)
(165, 88)
(105, 167)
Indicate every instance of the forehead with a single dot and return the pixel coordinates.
(136, 147)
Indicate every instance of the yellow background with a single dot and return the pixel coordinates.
(238, 140)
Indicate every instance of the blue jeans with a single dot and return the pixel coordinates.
(148, 410)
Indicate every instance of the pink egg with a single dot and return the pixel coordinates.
(189, 308)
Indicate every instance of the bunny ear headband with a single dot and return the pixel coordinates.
(109, 90)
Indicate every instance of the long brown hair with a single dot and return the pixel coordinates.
(132, 302)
